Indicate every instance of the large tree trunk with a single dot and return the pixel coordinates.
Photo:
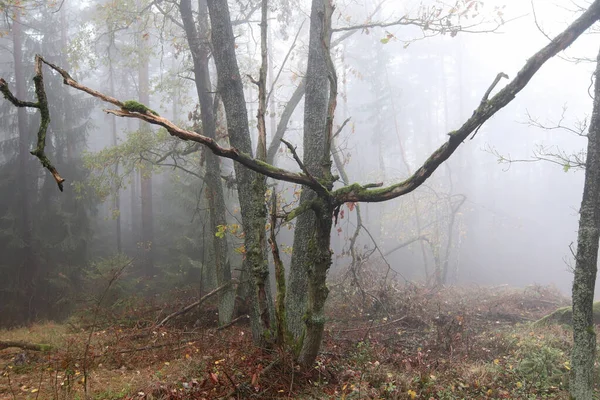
(214, 185)
(250, 184)
(315, 118)
(584, 336)
(29, 272)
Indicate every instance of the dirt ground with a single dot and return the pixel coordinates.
(385, 341)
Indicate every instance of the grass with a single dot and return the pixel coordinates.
(403, 342)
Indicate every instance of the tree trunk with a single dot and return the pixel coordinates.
(250, 184)
(147, 226)
(214, 185)
(318, 264)
(113, 129)
(584, 336)
(28, 274)
(315, 118)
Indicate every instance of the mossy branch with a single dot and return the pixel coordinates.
(42, 105)
(481, 114)
(135, 106)
(5, 344)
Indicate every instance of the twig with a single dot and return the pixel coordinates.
(371, 327)
(292, 149)
(284, 61)
(339, 130)
(486, 95)
(117, 273)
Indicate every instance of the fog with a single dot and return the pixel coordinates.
(403, 93)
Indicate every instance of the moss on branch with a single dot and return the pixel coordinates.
(136, 106)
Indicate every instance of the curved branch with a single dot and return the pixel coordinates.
(481, 114)
(145, 115)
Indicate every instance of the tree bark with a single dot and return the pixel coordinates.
(315, 119)
(214, 186)
(584, 336)
(249, 183)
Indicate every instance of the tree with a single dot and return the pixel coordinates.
(198, 42)
(327, 202)
(586, 262)
(43, 247)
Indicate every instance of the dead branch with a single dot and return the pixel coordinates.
(233, 322)
(5, 344)
(193, 305)
(42, 105)
(141, 112)
(372, 327)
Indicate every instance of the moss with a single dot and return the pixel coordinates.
(135, 106)
(564, 315)
(306, 206)
(45, 347)
(365, 193)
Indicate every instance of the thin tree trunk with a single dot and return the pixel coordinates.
(28, 274)
(214, 185)
(147, 226)
(584, 336)
(113, 129)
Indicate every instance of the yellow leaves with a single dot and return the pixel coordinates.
(519, 385)
(411, 393)
(567, 365)
(221, 230)
(496, 361)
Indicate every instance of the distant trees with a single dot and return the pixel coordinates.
(321, 201)
(44, 235)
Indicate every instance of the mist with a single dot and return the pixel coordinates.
(161, 222)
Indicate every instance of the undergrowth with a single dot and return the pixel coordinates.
(382, 341)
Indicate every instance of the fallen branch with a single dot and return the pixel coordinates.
(235, 320)
(5, 344)
(372, 327)
(192, 306)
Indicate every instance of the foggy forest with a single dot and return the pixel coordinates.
(300, 199)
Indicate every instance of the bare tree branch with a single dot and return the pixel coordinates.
(481, 114)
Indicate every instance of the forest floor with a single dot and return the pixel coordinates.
(397, 341)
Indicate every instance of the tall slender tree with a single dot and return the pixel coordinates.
(586, 262)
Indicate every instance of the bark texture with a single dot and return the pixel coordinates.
(586, 263)
(315, 120)
(249, 183)
(198, 42)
